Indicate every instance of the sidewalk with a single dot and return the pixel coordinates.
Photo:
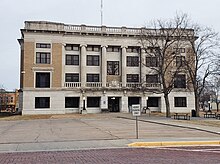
(110, 130)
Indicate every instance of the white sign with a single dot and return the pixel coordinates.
(136, 110)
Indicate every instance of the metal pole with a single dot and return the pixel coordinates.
(136, 127)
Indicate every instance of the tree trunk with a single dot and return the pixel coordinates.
(167, 105)
(196, 104)
(217, 104)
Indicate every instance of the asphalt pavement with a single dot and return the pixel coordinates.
(110, 130)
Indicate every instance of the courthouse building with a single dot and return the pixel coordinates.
(68, 68)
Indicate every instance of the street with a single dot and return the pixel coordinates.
(162, 155)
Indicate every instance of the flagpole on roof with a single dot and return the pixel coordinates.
(101, 12)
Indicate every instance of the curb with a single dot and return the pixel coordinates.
(173, 143)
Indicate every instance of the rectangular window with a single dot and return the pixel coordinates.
(152, 79)
(132, 49)
(180, 61)
(92, 60)
(113, 49)
(71, 102)
(179, 50)
(72, 77)
(72, 47)
(180, 81)
(42, 80)
(112, 67)
(72, 59)
(42, 102)
(94, 48)
(180, 102)
(132, 78)
(152, 102)
(151, 61)
(153, 50)
(92, 77)
(43, 45)
(43, 58)
(132, 61)
(93, 101)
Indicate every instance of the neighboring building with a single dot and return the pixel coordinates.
(9, 101)
(65, 67)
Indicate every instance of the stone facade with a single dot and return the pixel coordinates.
(68, 68)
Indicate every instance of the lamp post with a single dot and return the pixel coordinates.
(84, 103)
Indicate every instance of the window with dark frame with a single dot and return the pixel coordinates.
(92, 60)
(132, 61)
(152, 102)
(112, 67)
(71, 102)
(132, 78)
(132, 49)
(42, 102)
(43, 45)
(43, 57)
(151, 61)
(152, 79)
(92, 77)
(180, 102)
(72, 59)
(42, 80)
(93, 102)
(113, 49)
(180, 81)
(72, 77)
(180, 61)
(94, 48)
(72, 47)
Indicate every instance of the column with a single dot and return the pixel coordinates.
(142, 67)
(104, 66)
(123, 63)
(83, 65)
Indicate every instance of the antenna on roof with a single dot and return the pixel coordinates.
(101, 12)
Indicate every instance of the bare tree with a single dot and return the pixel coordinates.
(215, 87)
(163, 43)
(204, 47)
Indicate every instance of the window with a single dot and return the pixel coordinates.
(12, 99)
(42, 102)
(152, 79)
(180, 61)
(43, 45)
(179, 50)
(180, 102)
(132, 49)
(154, 50)
(180, 81)
(72, 77)
(42, 80)
(92, 60)
(43, 58)
(72, 59)
(113, 49)
(151, 61)
(92, 78)
(152, 102)
(93, 48)
(93, 101)
(72, 47)
(71, 102)
(113, 67)
(132, 61)
(133, 78)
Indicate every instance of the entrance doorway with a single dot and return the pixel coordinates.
(113, 104)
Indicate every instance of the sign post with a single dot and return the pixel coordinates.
(136, 111)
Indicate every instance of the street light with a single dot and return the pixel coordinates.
(84, 103)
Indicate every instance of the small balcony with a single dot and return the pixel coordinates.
(111, 85)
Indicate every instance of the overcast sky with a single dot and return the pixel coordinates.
(131, 13)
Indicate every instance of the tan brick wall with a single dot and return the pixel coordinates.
(57, 64)
(28, 64)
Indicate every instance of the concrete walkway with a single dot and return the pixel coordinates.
(98, 131)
